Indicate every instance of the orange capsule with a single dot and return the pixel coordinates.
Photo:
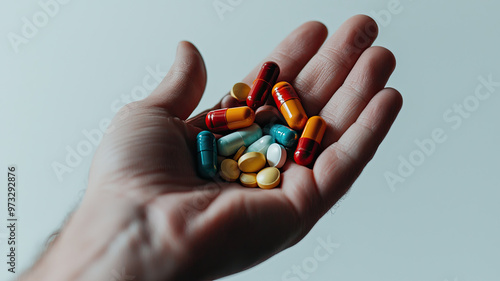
(309, 141)
(230, 118)
(288, 102)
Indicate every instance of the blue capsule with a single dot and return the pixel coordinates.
(229, 144)
(282, 135)
(207, 154)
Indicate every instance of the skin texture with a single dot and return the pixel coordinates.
(147, 215)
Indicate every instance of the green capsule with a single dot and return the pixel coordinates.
(282, 135)
(207, 155)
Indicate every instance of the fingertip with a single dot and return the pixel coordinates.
(389, 100)
(182, 88)
(188, 53)
(379, 60)
(318, 27)
(367, 23)
(396, 97)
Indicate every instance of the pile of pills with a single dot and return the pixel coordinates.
(251, 154)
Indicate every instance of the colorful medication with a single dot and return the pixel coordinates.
(288, 102)
(252, 162)
(282, 135)
(229, 170)
(276, 155)
(262, 86)
(240, 91)
(229, 118)
(207, 154)
(229, 145)
(248, 179)
(261, 145)
(239, 153)
(310, 141)
(268, 178)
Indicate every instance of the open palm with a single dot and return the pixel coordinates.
(194, 228)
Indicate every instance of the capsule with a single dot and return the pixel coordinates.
(288, 102)
(263, 85)
(229, 118)
(282, 135)
(207, 154)
(309, 141)
(261, 145)
(228, 145)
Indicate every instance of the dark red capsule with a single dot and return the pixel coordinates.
(262, 86)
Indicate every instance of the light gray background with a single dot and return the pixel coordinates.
(441, 223)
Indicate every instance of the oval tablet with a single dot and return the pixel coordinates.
(229, 170)
(276, 155)
(240, 91)
(252, 162)
(248, 179)
(268, 178)
(239, 153)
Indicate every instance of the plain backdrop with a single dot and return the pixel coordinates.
(440, 219)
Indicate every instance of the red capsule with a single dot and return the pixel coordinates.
(309, 141)
(262, 86)
(229, 118)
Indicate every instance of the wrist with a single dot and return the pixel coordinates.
(96, 244)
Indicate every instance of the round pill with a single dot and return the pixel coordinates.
(229, 170)
(248, 179)
(220, 159)
(239, 153)
(276, 155)
(240, 91)
(268, 178)
(252, 162)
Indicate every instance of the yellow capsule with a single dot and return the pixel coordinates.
(239, 153)
(248, 179)
(268, 178)
(240, 91)
(252, 162)
(229, 170)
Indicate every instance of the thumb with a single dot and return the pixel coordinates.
(181, 89)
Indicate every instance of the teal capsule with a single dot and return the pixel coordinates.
(228, 145)
(282, 135)
(207, 155)
(261, 145)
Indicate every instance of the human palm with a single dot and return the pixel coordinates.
(193, 228)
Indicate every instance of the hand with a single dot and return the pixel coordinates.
(146, 212)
